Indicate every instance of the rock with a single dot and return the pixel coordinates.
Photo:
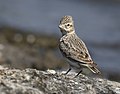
(32, 81)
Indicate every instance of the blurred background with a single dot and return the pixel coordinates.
(29, 33)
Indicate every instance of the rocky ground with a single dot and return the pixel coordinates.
(22, 49)
(32, 81)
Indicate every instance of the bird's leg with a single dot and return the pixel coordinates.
(78, 73)
(68, 71)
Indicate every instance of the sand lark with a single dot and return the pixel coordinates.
(73, 48)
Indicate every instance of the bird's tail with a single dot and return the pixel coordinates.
(94, 69)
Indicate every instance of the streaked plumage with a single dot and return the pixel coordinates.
(73, 48)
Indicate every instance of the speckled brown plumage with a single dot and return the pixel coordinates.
(73, 48)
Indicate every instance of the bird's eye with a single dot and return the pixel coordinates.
(68, 24)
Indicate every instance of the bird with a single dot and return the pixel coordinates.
(74, 49)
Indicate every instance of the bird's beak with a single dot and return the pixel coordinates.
(60, 26)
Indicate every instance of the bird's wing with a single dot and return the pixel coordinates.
(76, 50)
(79, 55)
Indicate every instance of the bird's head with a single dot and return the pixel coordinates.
(66, 25)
